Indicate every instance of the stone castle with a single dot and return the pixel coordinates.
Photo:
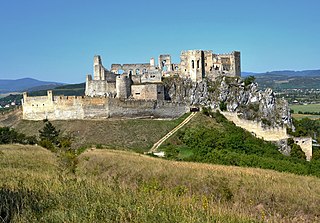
(133, 90)
(144, 81)
(138, 90)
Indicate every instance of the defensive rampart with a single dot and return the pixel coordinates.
(82, 107)
(269, 134)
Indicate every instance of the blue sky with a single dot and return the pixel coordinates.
(56, 40)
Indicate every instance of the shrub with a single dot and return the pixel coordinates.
(297, 152)
(223, 106)
(45, 143)
(249, 80)
(8, 135)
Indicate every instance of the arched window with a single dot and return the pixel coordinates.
(198, 64)
(192, 62)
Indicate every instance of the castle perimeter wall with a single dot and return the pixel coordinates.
(270, 134)
(73, 107)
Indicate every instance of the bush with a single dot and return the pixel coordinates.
(8, 136)
(45, 143)
(296, 152)
(232, 145)
(223, 106)
(249, 80)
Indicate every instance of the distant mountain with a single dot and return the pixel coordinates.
(290, 73)
(25, 84)
(287, 79)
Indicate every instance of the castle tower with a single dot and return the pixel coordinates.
(236, 63)
(193, 64)
(50, 95)
(25, 96)
(152, 63)
(98, 69)
(123, 86)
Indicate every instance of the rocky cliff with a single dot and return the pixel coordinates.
(232, 95)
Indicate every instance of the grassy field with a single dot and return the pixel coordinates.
(134, 134)
(119, 186)
(301, 116)
(305, 108)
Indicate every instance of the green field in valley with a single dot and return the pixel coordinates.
(306, 108)
(309, 108)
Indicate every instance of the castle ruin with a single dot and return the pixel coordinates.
(132, 90)
(144, 81)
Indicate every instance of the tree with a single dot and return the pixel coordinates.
(249, 80)
(297, 152)
(49, 133)
(316, 155)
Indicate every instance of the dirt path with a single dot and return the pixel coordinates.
(157, 144)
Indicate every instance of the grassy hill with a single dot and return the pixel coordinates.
(134, 134)
(119, 186)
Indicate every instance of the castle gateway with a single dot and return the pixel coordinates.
(132, 90)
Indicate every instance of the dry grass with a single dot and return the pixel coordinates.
(119, 186)
(136, 134)
(250, 192)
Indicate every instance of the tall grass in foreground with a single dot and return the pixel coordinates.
(115, 186)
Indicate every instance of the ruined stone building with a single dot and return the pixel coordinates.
(144, 80)
(132, 90)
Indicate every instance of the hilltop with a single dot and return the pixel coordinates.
(118, 186)
(25, 84)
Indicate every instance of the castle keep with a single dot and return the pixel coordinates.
(132, 90)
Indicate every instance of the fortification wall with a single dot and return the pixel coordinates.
(65, 108)
(145, 108)
(271, 134)
(100, 88)
(148, 91)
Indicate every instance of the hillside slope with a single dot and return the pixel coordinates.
(136, 134)
(118, 186)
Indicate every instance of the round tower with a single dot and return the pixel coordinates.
(123, 86)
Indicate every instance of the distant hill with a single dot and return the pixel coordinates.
(287, 79)
(67, 90)
(25, 84)
(290, 73)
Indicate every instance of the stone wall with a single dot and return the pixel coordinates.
(268, 134)
(148, 91)
(131, 69)
(99, 87)
(74, 107)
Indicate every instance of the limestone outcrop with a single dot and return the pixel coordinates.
(231, 94)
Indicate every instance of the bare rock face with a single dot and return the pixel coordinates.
(231, 94)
